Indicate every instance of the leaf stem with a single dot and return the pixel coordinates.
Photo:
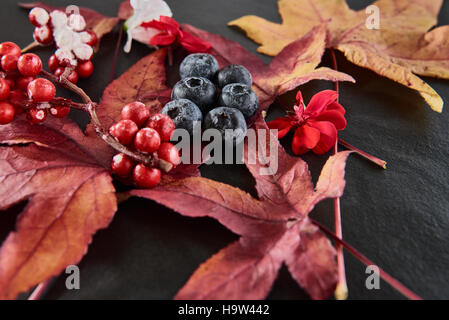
(40, 290)
(117, 49)
(377, 161)
(384, 275)
(341, 291)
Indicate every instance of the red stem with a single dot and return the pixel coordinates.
(341, 291)
(384, 275)
(379, 162)
(40, 290)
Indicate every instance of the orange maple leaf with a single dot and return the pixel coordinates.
(402, 46)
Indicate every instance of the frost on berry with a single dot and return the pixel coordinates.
(85, 36)
(39, 16)
(43, 35)
(83, 52)
(58, 19)
(76, 22)
(66, 57)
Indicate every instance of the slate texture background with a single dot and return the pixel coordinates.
(398, 217)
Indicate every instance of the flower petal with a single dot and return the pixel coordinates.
(299, 99)
(337, 107)
(320, 101)
(193, 44)
(333, 116)
(283, 125)
(162, 39)
(305, 138)
(328, 136)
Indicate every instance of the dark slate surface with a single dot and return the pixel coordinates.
(398, 217)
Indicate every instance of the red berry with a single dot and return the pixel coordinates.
(17, 98)
(59, 71)
(10, 48)
(39, 17)
(59, 111)
(137, 112)
(36, 116)
(93, 38)
(9, 62)
(53, 63)
(23, 82)
(124, 131)
(11, 83)
(43, 35)
(168, 156)
(29, 65)
(147, 140)
(41, 90)
(145, 177)
(7, 113)
(163, 124)
(122, 165)
(85, 69)
(73, 77)
(4, 89)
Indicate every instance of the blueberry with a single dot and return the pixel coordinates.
(240, 96)
(183, 112)
(224, 118)
(198, 65)
(198, 90)
(234, 73)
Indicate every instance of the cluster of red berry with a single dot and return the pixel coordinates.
(19, 86)
(147, 135)
(74, 43)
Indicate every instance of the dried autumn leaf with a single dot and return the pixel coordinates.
(295, 65)
(95, 21)
(274, 229)
(402, 47)
(70, 195)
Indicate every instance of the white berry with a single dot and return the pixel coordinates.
(83, 52)
(77, 22)
(58, 19)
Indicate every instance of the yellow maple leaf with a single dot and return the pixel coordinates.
(401, 47)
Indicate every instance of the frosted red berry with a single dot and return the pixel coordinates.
(4, 89)
(53, 63)
(59, 111)
(147, 140)
(124, 131)
(163, 124)
(137, 112)
(9, 62)
(145, 177)
(122, 165)
(7, 113)
(85, 69)
(93, 38)
(23, 82)
(43, 35)
(168, 156)
(41, 90)
(39, 17)
(29, 65)
(73, 77)
(10, 48)
(36, 116)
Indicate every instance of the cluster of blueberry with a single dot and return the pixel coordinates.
(73, 41)
(194, 97)
(147, 135)
(19, 86)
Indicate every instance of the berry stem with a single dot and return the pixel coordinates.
(90, 107)
(341, 291)
(31, 46)
(388, 278)
(377, 161)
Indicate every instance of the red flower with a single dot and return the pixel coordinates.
(171, 32)
(315, 126)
